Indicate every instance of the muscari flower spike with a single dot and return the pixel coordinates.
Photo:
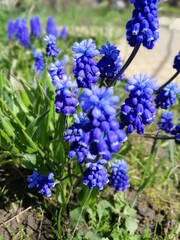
(63, 33)
(56, 71)
(110, 64)
(176, 63)
(166, 123)
(167, 96)
(78, 136)
(51, 27)
(85, 68)
(118, 178)
(35, 27)
(51, 48)
(22, 34)
(176, 132)
(95, 175)
(143, 28)
(44, 184)
(105, 136)
(11, 29)
(39, 62)
(66, 100)
(138, 109)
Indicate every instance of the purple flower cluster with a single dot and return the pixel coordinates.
(36, 30)
(98, 133)
(66, 101)
(118, 178)
(19, 31)
(56, 71)
(176, 63)
(143, 28)
(51, 48)
(39, 62)
(167, 96)
(95, 175)
(85, 69)
(11, 29)
(105, 135)
(110, 64)
(44, 184)
(138, 109)
(51, 27)
(63, 33)
(166, 123)
(176, 132)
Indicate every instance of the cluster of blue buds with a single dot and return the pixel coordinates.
(63, 33)
(18, 30)
(11, 29)
(166, 123)
(85, 69)
(39, 62)
(138, 109)
(167, 96)
(95, 175)
(66, 101)
(44, 184)
(105, 135)
(51, 48)
(78, 136)
(35, 24)
(118, 178)
(56, 71)
(176, 132)
(143, 28)
(176, 63)
(110, 64)
(51, 28)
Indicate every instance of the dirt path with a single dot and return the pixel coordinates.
(157, 62)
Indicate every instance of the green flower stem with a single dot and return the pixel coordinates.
(129, 60)
(80, 215)
(166, 83)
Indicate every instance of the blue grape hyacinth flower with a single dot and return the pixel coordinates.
(166, 123)
(143, 28)
(85, 68)
(66, 98)
(39, 62)
(176, 63)
(51, 28)
(167, 96)
(138, 109)
(118, 178)
(56, 71)
(51, 48)
(22, 34)
(11, 29)
(176, 132)
(99, 103)
(36, 30)
(110, 64)
(63, 33)
(44, 184)
(95, 175)
(87, 48)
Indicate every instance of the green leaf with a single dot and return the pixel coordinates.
(131, 225)
(7, 127)
(33, 126)
(28, 160)
(74, 215)
(128, 211)
(101, 208)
